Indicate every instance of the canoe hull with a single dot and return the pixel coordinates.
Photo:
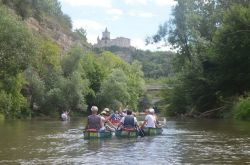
(97, 135)
(126, 133)
(152, 131)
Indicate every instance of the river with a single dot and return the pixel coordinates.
(182, 142)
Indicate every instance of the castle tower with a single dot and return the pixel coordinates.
(105, 41)
(106, 35)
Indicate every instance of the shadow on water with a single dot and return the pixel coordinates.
(188, 141)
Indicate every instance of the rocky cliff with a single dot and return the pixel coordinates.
(64, 39)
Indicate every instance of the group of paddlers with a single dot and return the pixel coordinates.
(106, 121)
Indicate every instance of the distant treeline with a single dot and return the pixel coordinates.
(155, 64)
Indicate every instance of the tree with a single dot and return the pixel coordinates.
(232, 49)
(114, 90)
(17, 47)
(211, 45)
(82, 34)
(135, 83)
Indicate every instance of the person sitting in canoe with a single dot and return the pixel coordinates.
(124, 112)
(157, 123)
(94, 121)
(150, 120)
(65, 116)
(106, 124)
(129, 121)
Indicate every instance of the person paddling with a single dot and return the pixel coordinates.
(65, 116)
(105, 121)
(129, 121)
(149, 121)
(94, 121)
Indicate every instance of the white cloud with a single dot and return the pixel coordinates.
(140, 44)
(141, 14)
(115, 11)
(149, 2)
(136, 2)
(113, 18)
(87, 24)
(165, 2)
(114, 14)
(91, 3)
(92, 38)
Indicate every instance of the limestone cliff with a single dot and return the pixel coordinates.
(64, 39)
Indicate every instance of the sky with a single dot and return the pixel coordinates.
(133, 19)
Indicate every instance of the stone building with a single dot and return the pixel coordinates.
(105, 41)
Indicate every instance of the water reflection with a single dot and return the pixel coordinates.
(182, 142)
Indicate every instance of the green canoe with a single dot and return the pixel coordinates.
(97, 135)
(152, 131)
(126, 133)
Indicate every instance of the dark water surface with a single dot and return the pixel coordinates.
(182, 142)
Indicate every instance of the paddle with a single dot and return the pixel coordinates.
(140, 131)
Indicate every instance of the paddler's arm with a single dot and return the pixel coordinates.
(112, 125)
(143, 124)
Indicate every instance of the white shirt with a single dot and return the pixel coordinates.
(150, 121)
(64, 116)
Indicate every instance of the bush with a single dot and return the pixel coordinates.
(241, 110)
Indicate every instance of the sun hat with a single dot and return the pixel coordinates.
(103, 113)
(106, 109)
(151, 110)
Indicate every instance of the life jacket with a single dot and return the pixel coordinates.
(129, 121)
(94, 122)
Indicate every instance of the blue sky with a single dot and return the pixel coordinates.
(134, 19)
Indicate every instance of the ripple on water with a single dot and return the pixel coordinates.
(181, 143)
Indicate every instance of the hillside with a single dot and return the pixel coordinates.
(46, 69)
(46, 19)
(154, 64)
(65, 39)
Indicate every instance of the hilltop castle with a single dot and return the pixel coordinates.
(105, 41)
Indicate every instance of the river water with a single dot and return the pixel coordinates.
(182, 142)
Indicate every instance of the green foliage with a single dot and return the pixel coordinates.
(212, 64)
(144, 102)
(154, 64)
(176, 101)
(40, 10)
(37, 80)
(95, 74)
(17, 48)
(16, 45)
(12, 101)
(103, 71)
(114, 90)
(82, 34)
(66, 91)
(232, 47)
(35, 88)
(47, 57)
(241, 110)
(136, 84)
(72, 61)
